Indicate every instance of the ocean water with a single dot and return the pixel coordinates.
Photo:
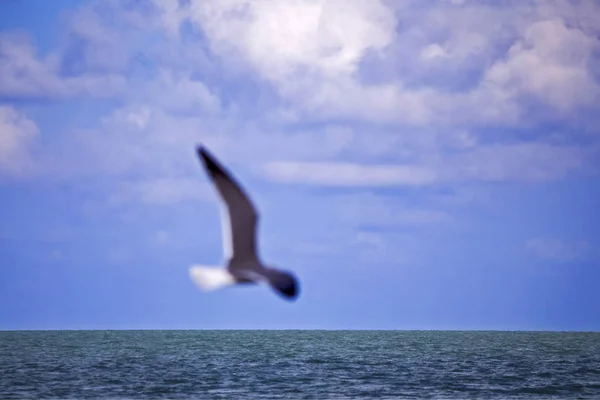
(299, 364)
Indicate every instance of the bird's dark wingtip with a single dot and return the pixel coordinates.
(209, 161)
(201, 151)
(291, 290)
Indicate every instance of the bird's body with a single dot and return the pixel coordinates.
(239, 220)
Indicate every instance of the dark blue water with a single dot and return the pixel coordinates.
(299, 364)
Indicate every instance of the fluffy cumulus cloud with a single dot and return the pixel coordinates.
(309, 51)
(426, 72)
(17, 132)
(394, 63)
(549, 63)
(353, 94)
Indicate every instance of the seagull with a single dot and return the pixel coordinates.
(239, 220)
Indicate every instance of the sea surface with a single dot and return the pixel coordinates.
(299, 364)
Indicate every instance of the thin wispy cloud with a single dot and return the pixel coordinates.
(347, 174)
(554, 249)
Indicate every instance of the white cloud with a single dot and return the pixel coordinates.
(139, 118)
(313, 57)
(178, 92)
(557, 250)
(550, 63)
(582, 14)
(348, 174)
(162, 191)
(527, 162)
(313, 52)
(171, 15)
(138, 141)
(432, 51)
(327, 37)
(22, 74)
(16, 135)
(310, 52)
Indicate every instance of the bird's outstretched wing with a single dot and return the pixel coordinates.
(239, 216)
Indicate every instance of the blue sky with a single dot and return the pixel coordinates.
(417, 165)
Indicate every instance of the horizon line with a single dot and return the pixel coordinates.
(300, 329)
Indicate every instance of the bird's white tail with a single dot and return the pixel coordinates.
(210, 278)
